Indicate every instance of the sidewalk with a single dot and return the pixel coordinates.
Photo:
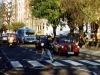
(91, 52)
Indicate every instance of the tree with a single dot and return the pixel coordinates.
(2, 13)
(72, 12)
(48, 9)
(8, 9)
(79, 11)
(16, 25)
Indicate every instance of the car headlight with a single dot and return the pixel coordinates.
(62, 46)
(42, 44)
(78, 46)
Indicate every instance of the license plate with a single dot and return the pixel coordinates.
(4, 38)
(70, 52)
(30, 41)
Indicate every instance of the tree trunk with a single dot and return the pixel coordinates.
(86, 27)
(54, 31)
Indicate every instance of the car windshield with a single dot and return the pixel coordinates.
(65, 40)
(4, 35)
(30, 32)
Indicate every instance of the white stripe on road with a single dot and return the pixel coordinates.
(16, 64)
(89, 62)
(97, 60)
(35, 63)
(54, 63)
(72, 62)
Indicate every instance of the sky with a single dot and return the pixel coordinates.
(1, 1)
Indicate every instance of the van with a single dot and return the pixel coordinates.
(26, 35)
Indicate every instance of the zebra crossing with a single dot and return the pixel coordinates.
(57, 63)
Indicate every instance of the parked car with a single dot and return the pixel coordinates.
(63, 44)
(42, 39)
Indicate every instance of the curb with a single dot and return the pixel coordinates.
(94, 53)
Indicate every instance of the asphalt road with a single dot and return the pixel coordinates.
(23, 60)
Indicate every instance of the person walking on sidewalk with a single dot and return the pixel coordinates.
(46, 49)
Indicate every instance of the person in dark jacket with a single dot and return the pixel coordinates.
(46, 49)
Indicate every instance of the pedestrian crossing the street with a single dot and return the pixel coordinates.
(57, 63)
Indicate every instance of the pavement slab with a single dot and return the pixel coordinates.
(90, 52)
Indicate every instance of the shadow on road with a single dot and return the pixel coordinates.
(46, 71)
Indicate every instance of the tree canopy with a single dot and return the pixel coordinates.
(16, 25)
(48, 9)
(77, 12)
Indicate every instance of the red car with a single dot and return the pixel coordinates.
(65, 45)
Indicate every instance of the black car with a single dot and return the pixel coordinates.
(41, 39)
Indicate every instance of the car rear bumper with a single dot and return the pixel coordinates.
(69, 52)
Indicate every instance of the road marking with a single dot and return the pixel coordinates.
(16, 64)
(35, 63)
(89, 62)
(55, 63)
(97, 60)
(72, 62)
